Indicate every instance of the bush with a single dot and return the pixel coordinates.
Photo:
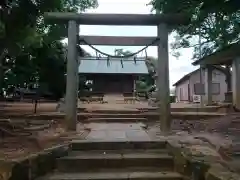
(172, 99)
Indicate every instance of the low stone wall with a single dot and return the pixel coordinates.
(196, 160)
(33, 165)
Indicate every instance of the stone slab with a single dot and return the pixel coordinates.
(137, 135)
(116, 134)
(117, 131)
(97, 134)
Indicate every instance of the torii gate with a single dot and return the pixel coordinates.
(161, 21)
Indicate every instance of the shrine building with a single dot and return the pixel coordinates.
(112, 75)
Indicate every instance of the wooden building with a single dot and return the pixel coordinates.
(112, 76)
(187, 88)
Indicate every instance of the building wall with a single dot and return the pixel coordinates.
(194, 78)
(111, 83)
(217, 77)
(182, 92)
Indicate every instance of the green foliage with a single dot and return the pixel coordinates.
(217, 22)
(122, 52)
(145, 81)
(141, 86)
(30, 51)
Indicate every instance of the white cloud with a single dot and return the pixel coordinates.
(123, 6)
(178, 67)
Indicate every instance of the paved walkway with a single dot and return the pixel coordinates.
(117, 132)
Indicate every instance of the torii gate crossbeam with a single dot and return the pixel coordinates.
(161, 21)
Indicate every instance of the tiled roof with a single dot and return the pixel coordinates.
(90, 65)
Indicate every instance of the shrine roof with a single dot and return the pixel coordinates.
(221, 57)
(91, 65)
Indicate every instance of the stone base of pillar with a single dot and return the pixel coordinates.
(210, 104)
(228, 97)
(61, 106)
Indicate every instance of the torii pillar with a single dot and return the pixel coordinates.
(72, 76)
(163, 79)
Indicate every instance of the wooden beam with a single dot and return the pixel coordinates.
(117, 41)
(117, 19)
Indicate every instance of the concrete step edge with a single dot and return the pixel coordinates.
(123, 151)
(121, 145)
(113, 175)
(116, 156)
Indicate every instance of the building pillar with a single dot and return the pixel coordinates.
(228, 94)
(228, 78)
(72, 77)
(208, 85)
(236, 82)
(163, 79)
(202, 90)
(134, 86)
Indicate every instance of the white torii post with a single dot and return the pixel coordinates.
(163, 79)
(72, 76)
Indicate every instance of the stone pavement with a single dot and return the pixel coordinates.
(117, 132)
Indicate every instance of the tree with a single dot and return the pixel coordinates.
(31, 51)
(151, 64)
(145, 81)
(122, 52)
(217, 22)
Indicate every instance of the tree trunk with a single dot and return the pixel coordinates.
(2, 56)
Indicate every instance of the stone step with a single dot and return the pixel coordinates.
(111, 115)
(115, 175)
(195, 109)
(153, 109)
(111, 111)
(150, 116)
(120, 145)
(84, 160)
(117, 118)
(123, 151)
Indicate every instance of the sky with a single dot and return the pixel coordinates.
(178, 67)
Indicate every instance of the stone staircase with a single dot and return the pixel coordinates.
(138, 116)
(121, 160)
